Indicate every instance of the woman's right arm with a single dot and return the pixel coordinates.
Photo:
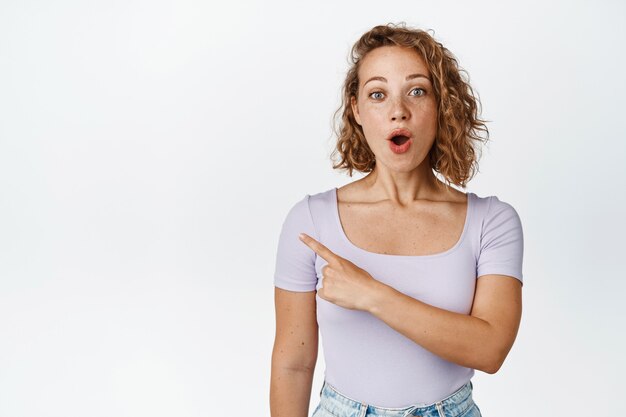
(295, 353)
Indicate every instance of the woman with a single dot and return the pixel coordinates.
(414, 284)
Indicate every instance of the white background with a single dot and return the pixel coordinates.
(150, 150)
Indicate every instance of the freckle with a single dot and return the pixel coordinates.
(302, 343)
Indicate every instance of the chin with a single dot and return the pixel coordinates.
(407, 166)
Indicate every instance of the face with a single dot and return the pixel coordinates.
(395, 91)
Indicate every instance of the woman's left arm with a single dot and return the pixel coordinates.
(480, 340)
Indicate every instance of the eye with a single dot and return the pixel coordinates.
(421, 90)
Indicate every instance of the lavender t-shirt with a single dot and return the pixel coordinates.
(366, 359)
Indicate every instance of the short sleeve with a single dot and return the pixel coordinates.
(295, 261)
(501, 241)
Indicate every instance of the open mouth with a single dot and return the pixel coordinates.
(399, 139)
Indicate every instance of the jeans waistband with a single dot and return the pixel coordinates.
(455, 404)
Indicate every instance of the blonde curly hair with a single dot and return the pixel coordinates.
(458, 126)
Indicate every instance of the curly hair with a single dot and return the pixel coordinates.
(458, 126)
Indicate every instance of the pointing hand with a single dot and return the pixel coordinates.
(344, 283)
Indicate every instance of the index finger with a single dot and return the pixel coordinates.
(319, 248)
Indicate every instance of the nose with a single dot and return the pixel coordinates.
(399, 110)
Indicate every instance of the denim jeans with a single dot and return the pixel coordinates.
(458, 404)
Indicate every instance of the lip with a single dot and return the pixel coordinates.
(400, 149)
(400, 131)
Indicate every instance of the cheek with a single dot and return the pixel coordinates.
(371, 112)
(372, 119)
(428, 115)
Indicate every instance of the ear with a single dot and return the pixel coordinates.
(355, 110)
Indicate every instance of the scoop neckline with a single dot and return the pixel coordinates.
(344, 237)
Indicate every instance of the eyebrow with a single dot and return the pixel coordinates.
(408, 77)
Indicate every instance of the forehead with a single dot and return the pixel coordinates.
(388, 61)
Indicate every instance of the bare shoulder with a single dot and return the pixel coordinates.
(353, 192)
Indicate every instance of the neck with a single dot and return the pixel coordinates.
(404, 188)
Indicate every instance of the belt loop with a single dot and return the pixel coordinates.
(409, 412)
(363, 410)
(440, 409)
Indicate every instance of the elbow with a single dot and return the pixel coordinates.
(491, 368)
(290, 361)
(494, 363)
